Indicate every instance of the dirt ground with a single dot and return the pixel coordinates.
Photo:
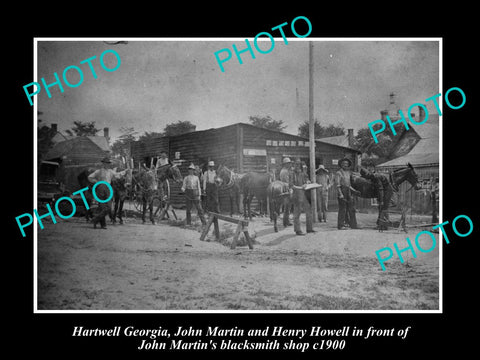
(166, 267)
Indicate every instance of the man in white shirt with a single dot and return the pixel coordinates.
(102, 191)
(210, 188)
(191, 188)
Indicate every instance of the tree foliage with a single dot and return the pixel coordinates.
(81, 128)
(267, 122)
(320, 130)
(121, 146)
(380, 150)
(178, 128)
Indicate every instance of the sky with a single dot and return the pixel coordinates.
(165, 81)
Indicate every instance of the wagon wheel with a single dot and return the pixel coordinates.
(163, 200)
(137, 199)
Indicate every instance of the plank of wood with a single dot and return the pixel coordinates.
(205, 231)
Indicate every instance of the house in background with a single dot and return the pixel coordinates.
(420, 147)
(67, 158)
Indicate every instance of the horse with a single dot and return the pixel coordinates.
(254, 184)
(163, 174)
(229, 181)
(146, 186)
(368, 189)
(121, 188)
(278, 194)
(83, 181)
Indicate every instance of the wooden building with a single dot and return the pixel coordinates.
(241, 147)
(66, 159)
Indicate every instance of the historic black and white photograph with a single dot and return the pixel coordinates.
(259, 174)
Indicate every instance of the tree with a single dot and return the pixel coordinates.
(121, 146)
(365, 143)
(267, 122)
(83, 129)
(44, 138)
(150, 135)
(180, 127)
(320, 130)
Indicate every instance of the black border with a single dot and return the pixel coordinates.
(50, 334)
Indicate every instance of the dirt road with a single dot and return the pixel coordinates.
(166, 267)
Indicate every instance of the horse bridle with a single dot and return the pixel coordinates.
(395, 185)
(231, 182)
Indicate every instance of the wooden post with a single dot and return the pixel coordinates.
(241, 227)
(311, 132)
(240, 148)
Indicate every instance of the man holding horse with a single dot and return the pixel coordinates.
(192, 190)
(297, 182)
(103, 174)
(346, 208)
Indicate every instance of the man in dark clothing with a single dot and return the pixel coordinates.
(384, 190)
(345, 197)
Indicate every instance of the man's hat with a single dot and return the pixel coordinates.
(287, 160)
(106, 160)
(298, 161)
(321, 167)
(345, 159)
(211, 163)
(191, 166)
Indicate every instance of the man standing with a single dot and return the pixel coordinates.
(191, 188)
(345, 198)
(322, 193)
(297, 181)
(162, 160)
(102, 191)
(285, 177)
(210, 188)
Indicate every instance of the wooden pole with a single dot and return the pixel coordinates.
(311, 130)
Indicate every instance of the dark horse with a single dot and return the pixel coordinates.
(121, 188)
(278, 194)
(165, 173)
(145, 185)
(229, 181)
(368, 189)
(82, 179)
(254, 184)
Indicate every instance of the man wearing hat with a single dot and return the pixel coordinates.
(102, 191)
(191, 188)
(322, 193)
(284, 176)
(296, 183)
(345, 199)
(210, 188)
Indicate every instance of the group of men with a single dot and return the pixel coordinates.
(293, 173)
(193, 188)
(297, 178)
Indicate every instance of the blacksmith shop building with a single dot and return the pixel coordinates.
(241, 147)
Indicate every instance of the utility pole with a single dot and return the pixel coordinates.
(311, 130)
